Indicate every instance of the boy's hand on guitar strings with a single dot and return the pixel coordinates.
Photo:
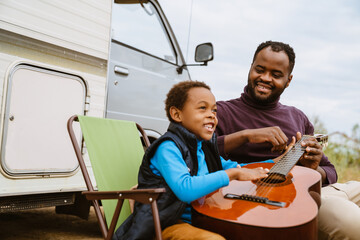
(247, 174)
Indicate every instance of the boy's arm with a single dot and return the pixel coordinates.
(169, 162)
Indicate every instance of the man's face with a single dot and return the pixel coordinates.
(269, 75)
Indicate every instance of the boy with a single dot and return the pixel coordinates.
(186, 162)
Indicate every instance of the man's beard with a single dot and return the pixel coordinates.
(260, 100)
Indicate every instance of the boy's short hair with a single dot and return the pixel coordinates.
(178, 95)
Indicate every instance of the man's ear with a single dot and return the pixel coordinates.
(175, 114)
(289, 80)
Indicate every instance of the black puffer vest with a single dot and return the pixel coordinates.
(139, 225)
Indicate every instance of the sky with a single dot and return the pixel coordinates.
(325, 35)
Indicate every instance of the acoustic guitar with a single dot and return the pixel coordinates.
(280, 206)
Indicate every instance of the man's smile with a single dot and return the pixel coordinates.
(263, 88)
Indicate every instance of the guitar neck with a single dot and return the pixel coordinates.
(288, 161)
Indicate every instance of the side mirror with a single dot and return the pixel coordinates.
(204, 53)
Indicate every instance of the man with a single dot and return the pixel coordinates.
(246, 133)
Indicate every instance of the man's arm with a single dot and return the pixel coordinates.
(273, 135)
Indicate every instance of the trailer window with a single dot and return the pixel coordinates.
(140, 26)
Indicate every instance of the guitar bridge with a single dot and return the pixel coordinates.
(257, 199)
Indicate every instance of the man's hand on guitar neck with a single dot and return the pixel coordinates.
(313, 154)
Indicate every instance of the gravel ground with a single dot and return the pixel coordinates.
(45, 224)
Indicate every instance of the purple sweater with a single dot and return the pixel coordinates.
(244, 113)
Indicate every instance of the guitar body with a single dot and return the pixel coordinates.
(242, 219)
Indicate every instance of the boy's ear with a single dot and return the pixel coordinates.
(175, 114)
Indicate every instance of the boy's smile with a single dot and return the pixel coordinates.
(199, 113)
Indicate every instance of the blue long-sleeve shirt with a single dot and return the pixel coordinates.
(168, 163)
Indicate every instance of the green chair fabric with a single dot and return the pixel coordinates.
(115, 151)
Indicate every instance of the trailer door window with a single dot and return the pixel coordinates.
(140, 26)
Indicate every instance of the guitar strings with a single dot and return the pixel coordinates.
(282, 167)
(262, 186)
(286, 163)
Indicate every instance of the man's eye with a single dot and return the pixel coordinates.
(259, 70)
(277, 74)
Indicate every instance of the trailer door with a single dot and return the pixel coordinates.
(34, 137)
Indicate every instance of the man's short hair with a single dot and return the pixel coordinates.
(178, 95)
(278, 47)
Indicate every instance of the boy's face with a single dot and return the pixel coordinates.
(198, 114)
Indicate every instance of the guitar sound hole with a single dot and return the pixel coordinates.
(274, 178)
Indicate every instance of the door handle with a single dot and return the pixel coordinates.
(121, 70)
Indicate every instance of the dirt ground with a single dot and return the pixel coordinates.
(45, 224)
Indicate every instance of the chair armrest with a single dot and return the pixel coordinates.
(140, 195)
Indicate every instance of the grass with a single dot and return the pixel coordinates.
(343, 151)
(346, 159)
(346, 174)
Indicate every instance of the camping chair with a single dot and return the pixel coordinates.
(115, 151)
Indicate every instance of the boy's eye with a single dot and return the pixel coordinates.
(202, 107)
(214, 110)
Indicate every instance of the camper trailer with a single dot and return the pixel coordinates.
(113, 59)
